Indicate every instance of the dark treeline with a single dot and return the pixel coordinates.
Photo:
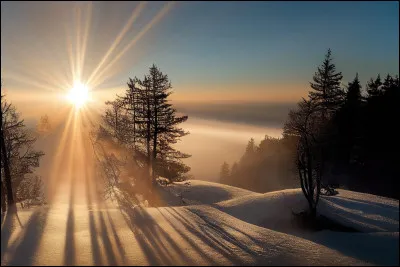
(263, 168)
(143, 126)
(339, 136)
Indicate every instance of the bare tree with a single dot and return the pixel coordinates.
(19, 157)
(305, 123)
(4, 159)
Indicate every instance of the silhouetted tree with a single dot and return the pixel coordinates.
(327, 96)
(5, 160)
(266, 167)
(164, 122)
(353, 94)
(144, 122)
(235, 168)
(19, 154)
(224, 173)
(374, 87)
(304, 123)
(326, 87)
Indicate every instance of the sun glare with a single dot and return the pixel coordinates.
(78, 95)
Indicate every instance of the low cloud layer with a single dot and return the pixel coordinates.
(257, 114)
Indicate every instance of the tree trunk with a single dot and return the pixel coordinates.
(7, 175)
(155, 135)
(3, 198)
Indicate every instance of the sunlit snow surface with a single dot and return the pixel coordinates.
(222, 225)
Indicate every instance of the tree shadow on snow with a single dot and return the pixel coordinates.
(25, 250)
(100, 235)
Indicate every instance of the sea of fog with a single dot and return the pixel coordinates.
(218, 132)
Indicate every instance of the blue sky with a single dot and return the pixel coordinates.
(209, 43)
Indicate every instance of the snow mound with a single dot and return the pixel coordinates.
(272, 210)
(360, 211)
(201, 192)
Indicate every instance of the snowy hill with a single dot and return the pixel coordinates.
(218, 225)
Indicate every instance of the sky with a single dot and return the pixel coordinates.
(233, 62)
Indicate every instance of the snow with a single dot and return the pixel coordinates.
(271, 210)
(363, 212)
(223, 225)
(202, 192)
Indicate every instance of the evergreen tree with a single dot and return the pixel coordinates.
(388, 84)
(374, 87)
(326, 99)
(249, 153)
(164, 127)
(144, 122)
(326, 84)
(224, 173)
(235, 169)
(346, 126)
(353, 94)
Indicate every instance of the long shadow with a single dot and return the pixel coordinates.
(27, 248)
(189, 240)
(237, 229)
(7, 228)
(145, 230)
(106, 240)
(369, 203)
(120, 247)
(365, 220)
(103, 232)
(69, 250)
(153, 260)
(96, 255)
(156, 244)
(376, 208)
(217, 230)
(207, 239)
(159, 232)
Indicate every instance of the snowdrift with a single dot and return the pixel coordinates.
(363, 212)
(273, 210)
(201, 192)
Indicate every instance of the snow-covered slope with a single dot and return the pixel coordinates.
(272, 210)
(360, 211)
(223, 228)
(202, 192)
(363, 212)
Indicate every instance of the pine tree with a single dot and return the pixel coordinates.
(249, 152)
(353, 94)
(164, 121)
(347, 122)
(144, 121)
(326, 84)
(374, 87)
(388, 83)
(224, 173)
(235, 168)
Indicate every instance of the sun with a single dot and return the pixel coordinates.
(78, 95)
